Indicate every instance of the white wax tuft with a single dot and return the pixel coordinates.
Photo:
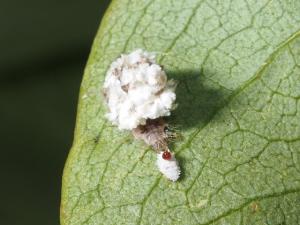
(137, 89)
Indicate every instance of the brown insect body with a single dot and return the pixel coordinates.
(154, 133)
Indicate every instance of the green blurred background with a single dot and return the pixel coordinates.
(44, 46)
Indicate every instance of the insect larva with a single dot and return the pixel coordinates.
(138, 96)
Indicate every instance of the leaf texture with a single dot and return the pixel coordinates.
(238, 67)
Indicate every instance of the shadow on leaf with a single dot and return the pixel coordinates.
(198, 99)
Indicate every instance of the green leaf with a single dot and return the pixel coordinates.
(238, 67)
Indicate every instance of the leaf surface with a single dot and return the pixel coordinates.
(238, 67)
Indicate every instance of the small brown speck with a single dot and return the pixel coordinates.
(254, 207)
(125, 87)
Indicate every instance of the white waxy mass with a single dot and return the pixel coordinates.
(168, 167)
(137, 89)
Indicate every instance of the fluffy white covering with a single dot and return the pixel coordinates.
(169, 168)
(136, 89)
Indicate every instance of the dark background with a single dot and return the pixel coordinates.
(44, 45)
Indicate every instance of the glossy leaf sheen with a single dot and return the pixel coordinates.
(238, 67)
